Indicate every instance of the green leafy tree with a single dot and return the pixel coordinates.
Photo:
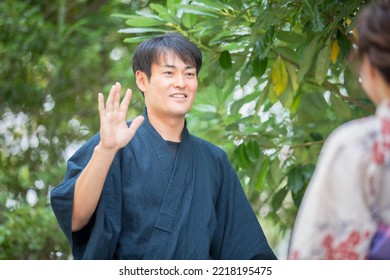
(55, 57)
(277, 80)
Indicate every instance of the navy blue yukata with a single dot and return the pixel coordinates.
(157, 206)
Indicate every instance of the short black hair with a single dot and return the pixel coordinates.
(149, 52)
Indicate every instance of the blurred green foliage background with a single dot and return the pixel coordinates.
(278, 77)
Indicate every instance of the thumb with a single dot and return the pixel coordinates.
(135, 124)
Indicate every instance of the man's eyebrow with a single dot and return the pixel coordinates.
(173, 66)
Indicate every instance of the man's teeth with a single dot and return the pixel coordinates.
(178, 95)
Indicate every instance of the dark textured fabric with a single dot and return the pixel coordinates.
(173, 148)
(154, 207)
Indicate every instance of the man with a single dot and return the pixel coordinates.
(149, 189)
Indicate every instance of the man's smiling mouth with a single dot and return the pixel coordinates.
(179, 95)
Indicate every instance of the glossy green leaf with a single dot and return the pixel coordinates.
(264, 172)
(287, 97)
(292, 76)
(165, 14)
(141, 30)
(272, 96)
(172, 4)
(139, 21)
(290, 37)
(278, 198)
(307, 171)
(279, 76)
(253, 151)
(288, 54)
(241, 156)
(189, 20)
(123, 16)
(138, 39)
(158, 8)
(215, 4)
(225, 60)
(296, 101)
(259, 66)
(307, 60)
(198, 10)
(295, 180)
(323, 62)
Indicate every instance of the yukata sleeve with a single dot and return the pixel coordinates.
(334, 220)
(239, 235)
(61, 197)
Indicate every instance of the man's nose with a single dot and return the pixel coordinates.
(180, 81)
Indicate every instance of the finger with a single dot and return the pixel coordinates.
(135, 124)
(100, 102)
(110, 99)
(117, 96)
(126, 101)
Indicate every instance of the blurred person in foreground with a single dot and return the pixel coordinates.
(345, 212)
(148, 189)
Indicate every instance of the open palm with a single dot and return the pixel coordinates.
(114, 131)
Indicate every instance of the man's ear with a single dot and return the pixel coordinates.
(141, 80)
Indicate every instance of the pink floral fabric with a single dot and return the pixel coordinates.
(349, 194)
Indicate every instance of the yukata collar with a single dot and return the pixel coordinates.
(383, 109)
(184, 132)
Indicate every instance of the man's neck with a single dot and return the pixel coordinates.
(169, 128)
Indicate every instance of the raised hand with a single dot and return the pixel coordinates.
(114, 132)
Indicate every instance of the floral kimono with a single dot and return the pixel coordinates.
(345, 212)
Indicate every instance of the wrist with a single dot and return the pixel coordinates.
(104, 151)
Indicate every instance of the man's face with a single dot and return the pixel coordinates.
(171, 89)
